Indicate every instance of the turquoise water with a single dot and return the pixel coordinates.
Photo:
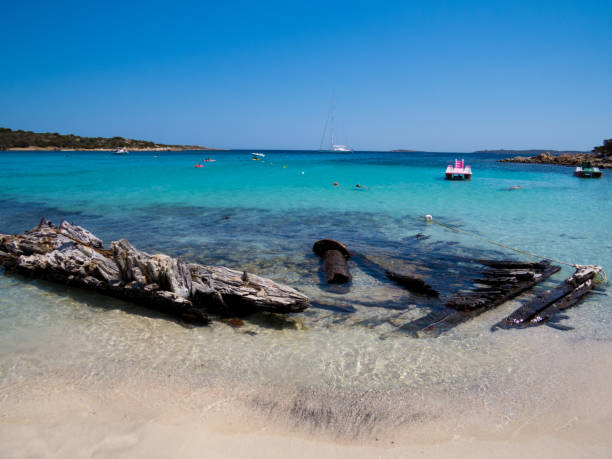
(352, 338)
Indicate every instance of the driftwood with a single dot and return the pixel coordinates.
(550, 302)
(504, 285)
(72, 255)
(335, 260)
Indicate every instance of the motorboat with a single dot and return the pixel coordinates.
(120, 151)
(587, 171)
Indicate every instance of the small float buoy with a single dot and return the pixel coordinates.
(428, 218)
(335, 183)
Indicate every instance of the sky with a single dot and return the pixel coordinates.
(424, 75)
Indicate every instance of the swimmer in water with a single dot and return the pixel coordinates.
(517, 187)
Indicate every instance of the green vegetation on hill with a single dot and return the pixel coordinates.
(28, 139)
(605, 150)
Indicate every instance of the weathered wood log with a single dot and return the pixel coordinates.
(412, 283)
(72, 255)
(550, 302)
(335, 257)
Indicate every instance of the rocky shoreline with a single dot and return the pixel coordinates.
(562, 160)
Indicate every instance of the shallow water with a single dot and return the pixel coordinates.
(315, 367)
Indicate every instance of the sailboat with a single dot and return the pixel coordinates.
(333, 147)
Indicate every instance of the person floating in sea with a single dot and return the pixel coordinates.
(359, 186)
(517, 187)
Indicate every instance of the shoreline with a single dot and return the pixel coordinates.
(185, 148)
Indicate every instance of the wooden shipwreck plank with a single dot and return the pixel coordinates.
(72, 255)
(413, 283)
(465, 301)
(467, 304)
(548, 303)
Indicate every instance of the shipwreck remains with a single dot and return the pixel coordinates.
(413, 283)
(550, 302)
(335, 257)
(72, 255)
(501, 281)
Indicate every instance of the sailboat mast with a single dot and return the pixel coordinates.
(333, 113)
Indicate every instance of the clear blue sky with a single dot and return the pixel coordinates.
(434, 75)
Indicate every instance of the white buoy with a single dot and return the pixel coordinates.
(428, 218)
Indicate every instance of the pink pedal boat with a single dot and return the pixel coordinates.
(459, 172)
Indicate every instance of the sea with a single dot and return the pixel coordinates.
(358, 363)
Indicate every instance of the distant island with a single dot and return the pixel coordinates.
(601, 156)
(530, 152)
(407, 151)
(28, 140)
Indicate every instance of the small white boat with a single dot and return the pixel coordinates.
(258, 156)
(120, 151)
(341, 149)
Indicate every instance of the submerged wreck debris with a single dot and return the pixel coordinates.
(503, 280)
(335, 257)
(502, 284)
(72, 255)
(413, 283)
(408, 280)
(545, 305)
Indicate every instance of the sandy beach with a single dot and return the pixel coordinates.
(68, 415)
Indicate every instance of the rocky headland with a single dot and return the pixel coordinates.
(563, 160)
(19, 140)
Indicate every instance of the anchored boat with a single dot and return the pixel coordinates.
(587, 171)
(333, 147)
(459, 172)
